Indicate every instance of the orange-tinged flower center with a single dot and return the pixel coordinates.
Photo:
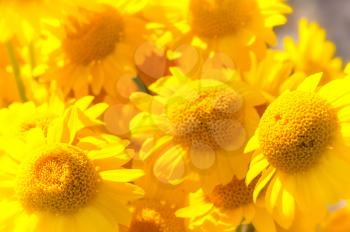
(211, 118)
(155, 216)
(295, 130)
(59, 180)
(94, 39)
(232, 195)
(216, 18)
(148, 220)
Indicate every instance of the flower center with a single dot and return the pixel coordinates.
(58, 180)
(155, 216)
(95, 38)
(215, 18)
(211, 118)
(232, 195)
(295, 129)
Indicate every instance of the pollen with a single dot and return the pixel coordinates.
(232, 195)
(216, 18)
(155, 216)
(210, 118)
(295, 130)
(58, 180)
(94, 38)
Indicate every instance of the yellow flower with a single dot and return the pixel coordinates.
(154, 215)
(271, 76)
(313, 52)
(301, 150)
(96, 55)
(156, 211)
(234, 27)
(24, 19)
(225, 208)
(67, 176)
(19, 118)
(197, 126)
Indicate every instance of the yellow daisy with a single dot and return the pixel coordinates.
(24, 19)
(234, 27)
(68, 178)
(272, 75)
(156, 211)
(19, 118)
(301, 150)
(196, 126)
(96, 55)
(154, 215)
(313, 52)
(225, 208)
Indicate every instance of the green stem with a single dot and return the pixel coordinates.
(16, 71)
(245, 228)
(140, 85)
(31, 57)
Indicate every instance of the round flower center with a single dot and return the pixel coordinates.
(95, 38)
(295, 129)
(148, 220)
(58, 180)
(211, 118)
(233, 195)
(215, 18)
(155, 216)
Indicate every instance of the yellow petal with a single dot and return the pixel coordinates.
(310, 83)
(202, 156)
(107, 152)
(288, 205)
(152, 146)
(96, 110)
(83, 103)
(263, 181)
(252, 144)
(90, 219)
(273, 193)
(122, 175)
(257, 165)
(145, 124)
(170, 167)
(336, 92)
(147, 103)
(194, 210)
(263, 221)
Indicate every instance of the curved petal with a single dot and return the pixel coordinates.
(170, 167)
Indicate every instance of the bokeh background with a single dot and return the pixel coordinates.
(333, 15)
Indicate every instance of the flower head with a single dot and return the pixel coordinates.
(301, 147)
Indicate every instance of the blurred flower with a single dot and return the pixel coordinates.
(313, 52)
(96, 55)
(25, 19)
(233, 27)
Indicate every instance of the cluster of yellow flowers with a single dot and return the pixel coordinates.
(170, 116)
